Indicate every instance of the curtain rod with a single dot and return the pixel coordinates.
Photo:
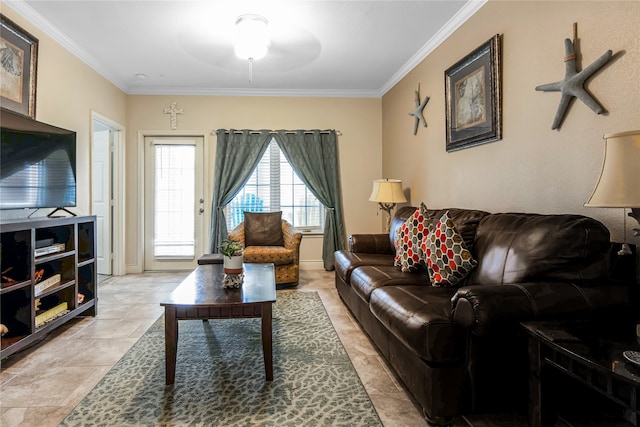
(290, 132)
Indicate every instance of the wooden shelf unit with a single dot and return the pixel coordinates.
(66, 247)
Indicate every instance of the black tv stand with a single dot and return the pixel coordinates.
(60, 209)
(31, 309)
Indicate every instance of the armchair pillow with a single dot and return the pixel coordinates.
(263, 229)
(447, 257)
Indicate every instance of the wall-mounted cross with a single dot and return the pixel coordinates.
(173, 111)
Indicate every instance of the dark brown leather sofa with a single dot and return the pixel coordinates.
(460, 350)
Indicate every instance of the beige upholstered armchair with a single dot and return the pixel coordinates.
(260, 247)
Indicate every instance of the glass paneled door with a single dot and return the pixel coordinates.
(174, 202)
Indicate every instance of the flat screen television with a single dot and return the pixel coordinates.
(37, 164)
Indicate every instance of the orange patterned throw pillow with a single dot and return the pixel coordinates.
(409, 256)
(448, 260)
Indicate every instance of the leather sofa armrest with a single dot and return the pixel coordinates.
(371, 244)
(481, 308)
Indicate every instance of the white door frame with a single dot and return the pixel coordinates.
(118, 179)
(207, 186)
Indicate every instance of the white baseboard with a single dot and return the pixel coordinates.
(312, 265)
(133, 269)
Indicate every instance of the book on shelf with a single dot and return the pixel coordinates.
(47, 250)
(51, 314)
(47, 283)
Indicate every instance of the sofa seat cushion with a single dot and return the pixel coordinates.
(366, 279)
(345, 262)
(278, 255)
(420, 317)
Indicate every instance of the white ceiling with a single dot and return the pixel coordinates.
(318, 48)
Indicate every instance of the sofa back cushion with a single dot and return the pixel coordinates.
(522, 247)
(465, 220)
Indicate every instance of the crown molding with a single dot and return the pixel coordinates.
(470, 8)
(22, 8)
(207, 91)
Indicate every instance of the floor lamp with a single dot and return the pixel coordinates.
(387, 192)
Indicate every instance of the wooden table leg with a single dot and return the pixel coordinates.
(541, 412)
(170, 343)
(535, 396)
(267, 340)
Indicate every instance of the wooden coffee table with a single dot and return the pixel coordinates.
(201, 296)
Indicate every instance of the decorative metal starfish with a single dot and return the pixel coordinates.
(572, 85)
(417, 112)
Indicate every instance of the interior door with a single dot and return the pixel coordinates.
(174, 202)
(102, 195)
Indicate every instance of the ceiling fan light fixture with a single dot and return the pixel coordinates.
(252, 37)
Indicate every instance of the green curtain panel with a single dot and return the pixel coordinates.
(314, 157)
(237, 155)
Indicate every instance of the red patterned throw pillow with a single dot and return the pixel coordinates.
(409, 256)
(448, 260)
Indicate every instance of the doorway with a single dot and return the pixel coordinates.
(106, 193)
(174, 202)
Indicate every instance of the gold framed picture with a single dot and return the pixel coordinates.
(473, 96)
(18, 68)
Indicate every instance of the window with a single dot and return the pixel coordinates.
(174, 211)
(274, 186)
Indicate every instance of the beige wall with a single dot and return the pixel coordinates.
(67, 92)
(359, 121)
(532, 168)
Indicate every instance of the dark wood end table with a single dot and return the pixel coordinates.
(592, 356)
(201, 296)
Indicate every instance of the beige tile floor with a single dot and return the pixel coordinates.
(41, 385)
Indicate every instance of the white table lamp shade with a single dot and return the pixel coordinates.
(619, 182)
(387, 191)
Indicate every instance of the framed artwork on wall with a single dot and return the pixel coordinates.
(473, 96)
(18, 68)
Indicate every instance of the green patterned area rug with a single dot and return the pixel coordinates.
(220, 376)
